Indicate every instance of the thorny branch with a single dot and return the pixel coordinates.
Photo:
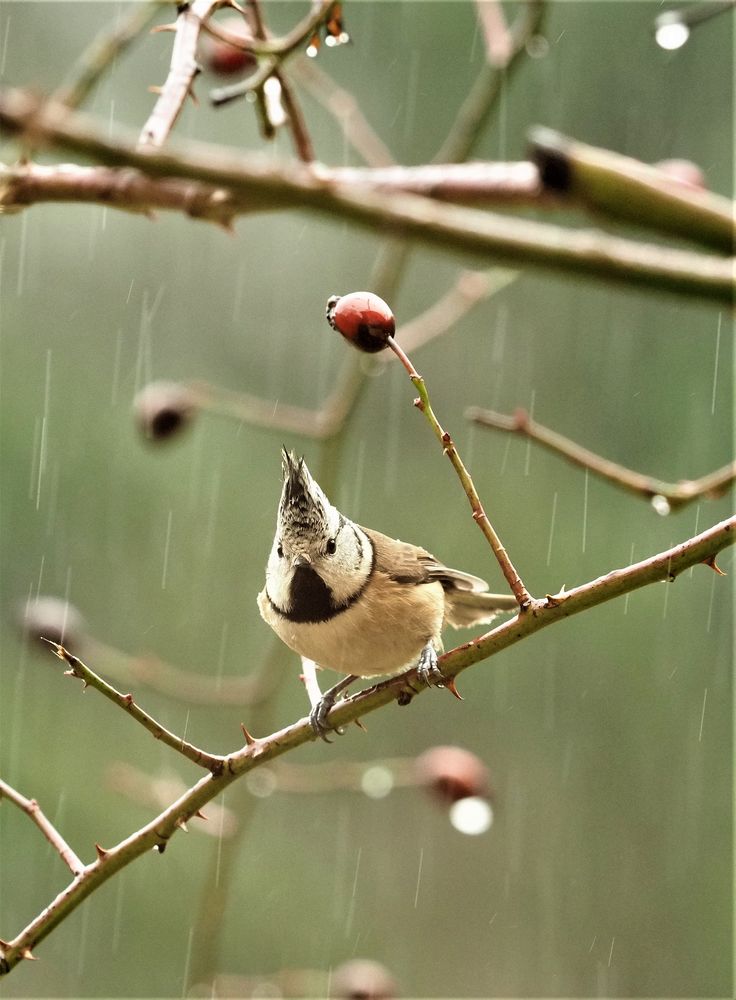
(664, 496)
(665, 566)
(585, 253)
(32, 809)
(125, 701)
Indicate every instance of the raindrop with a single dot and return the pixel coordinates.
(661, 505)
(670, 32)
(472, 816)
(377, 782)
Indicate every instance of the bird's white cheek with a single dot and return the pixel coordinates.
(277, 585)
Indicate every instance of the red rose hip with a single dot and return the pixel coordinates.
(363, 319)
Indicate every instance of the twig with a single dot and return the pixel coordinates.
(100, 55)
(274, 52)
(488, 87)
(624, 188)
(522, 595)
(182, 72)
(78, 669)
(348, 113)
(585, 253)
(186, 685)
(667, 565)
(297, 125)
(32, 809)
(666, 496)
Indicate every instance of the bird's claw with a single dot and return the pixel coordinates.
(428, 670)
(318, 718)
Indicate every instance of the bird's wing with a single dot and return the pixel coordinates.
(407, 563)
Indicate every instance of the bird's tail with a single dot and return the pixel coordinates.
(466, 607)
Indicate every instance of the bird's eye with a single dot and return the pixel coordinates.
(331, 546)
(280, 551)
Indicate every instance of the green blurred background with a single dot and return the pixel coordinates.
(608, 869)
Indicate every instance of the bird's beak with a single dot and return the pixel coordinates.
(300, 560)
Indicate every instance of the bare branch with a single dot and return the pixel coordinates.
(125, 701)
(667, 565)
(341, 104)
(664, 496)
(275, 52)
(585, 253)
(104, 50)
(488, 87)
(182, 72)
(32, 809)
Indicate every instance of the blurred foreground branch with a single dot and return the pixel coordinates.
(665, 566)
(664, 496)
(587, 253)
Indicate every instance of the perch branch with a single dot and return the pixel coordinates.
(522, 595)
(667, 565)
(32, 809)
(126, 702)
(675, 495)
(586, 253)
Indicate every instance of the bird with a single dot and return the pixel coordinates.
(356, 601)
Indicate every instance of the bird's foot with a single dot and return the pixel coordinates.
(321, 709)
(427, 669)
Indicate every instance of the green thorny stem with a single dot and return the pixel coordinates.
(480, 517)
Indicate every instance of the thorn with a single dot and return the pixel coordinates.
(182, 824)
(26, 953)
(711, 561)
(101, 852)
(195, 99)
(555, 601)
(57, 648)
(160, 848)
(155, 90)
(200, 815)
(249, 739)
(452, 688)
(360, 725)
(163, 27)
(404, 697)
(227, 225)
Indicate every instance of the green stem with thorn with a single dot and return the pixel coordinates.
(480, 517)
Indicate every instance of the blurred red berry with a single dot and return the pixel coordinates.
(451, 773)
(362, 318)
(54, 619)
(362, 979)
(224, 59)
(162, 409)
(684, 172)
